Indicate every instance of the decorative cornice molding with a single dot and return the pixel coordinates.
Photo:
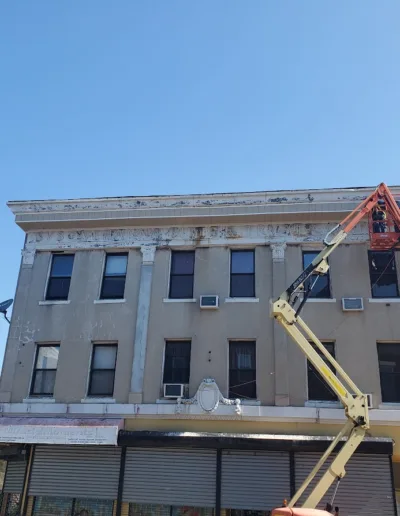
(148, 253)
(261, 234)
(335, 195)
(208, 397)
(278, 252)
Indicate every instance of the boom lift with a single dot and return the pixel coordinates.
(384, 224)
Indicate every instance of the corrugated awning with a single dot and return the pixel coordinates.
(26, 430)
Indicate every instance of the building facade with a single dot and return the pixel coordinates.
(144, 375)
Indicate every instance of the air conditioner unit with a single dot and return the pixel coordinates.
(369, 398)
(209, 302)
(174, 390)
(352, 304)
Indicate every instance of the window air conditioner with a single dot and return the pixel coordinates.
(352, 304)
(174, 390)
(209, 302)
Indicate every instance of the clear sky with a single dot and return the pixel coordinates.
(136, 97)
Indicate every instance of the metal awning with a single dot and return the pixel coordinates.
(26, 430)
(243, 441)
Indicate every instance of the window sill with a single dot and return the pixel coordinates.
(321, 300)
(393, 406)
(39, 400)
(184, 300)
(106, 301)
(323, 404)
(250, 403)
(97, 400)
(242, 300)
(386, 300)
(55, 302)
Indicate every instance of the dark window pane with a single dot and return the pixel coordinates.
(177, 362)
(389, 369)
(113, 287)
(320, 283)
(242, 262)
(43, 382)
(182, 262)
(47, 357)
(318, 390)
(321, 288)
(62, 265)
(102, 383)
(242, 370)
(181, 287)
(242, 285)
(383, 274)
(116, 265)
(58, 288)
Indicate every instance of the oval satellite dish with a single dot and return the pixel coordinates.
(5, 305)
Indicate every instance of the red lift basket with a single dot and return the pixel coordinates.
(385, 234)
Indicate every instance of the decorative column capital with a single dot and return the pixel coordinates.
(148, 253)
(278, 252)
(28, 256)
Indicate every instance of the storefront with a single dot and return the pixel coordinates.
(188, 474)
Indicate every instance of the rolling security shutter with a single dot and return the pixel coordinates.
(254, 480)
(170, 476)
(15, 476)
(75, 471)
(365, 490)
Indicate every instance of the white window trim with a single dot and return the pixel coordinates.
(183, 300)
(386, 300)
(242, 247)
(108, 301)
(323, 404)
(55, 302)
(38, 399)
(393, 406)
(99, 300)
(98, 400)
(321, 300)
(242, 300)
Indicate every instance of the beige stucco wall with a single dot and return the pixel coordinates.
(78, 324)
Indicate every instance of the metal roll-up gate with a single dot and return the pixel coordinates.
(170, 476)
(75, 471)
(15, 476)
(254, 480)
(365, 490)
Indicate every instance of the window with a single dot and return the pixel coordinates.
(102, 371)
(177, 361)
(382, 271)
(318, 390)
(321, 283)
(242, 370)
(113, 286)
(389, 370)
(182, 275)
(60, 276)
(242, 274)
(44, 373)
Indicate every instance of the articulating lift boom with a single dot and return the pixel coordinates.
(286, 310)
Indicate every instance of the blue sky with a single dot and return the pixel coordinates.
(101, 98)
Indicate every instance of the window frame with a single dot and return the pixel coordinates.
(117, 275)
(370, 253)
(35, 369)
(383, 343)
(309, 364)
(103, 344)
(231, 343)
(188, 342)
(175, 252)
(231, 274)
(50, 277)
(313, 275)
